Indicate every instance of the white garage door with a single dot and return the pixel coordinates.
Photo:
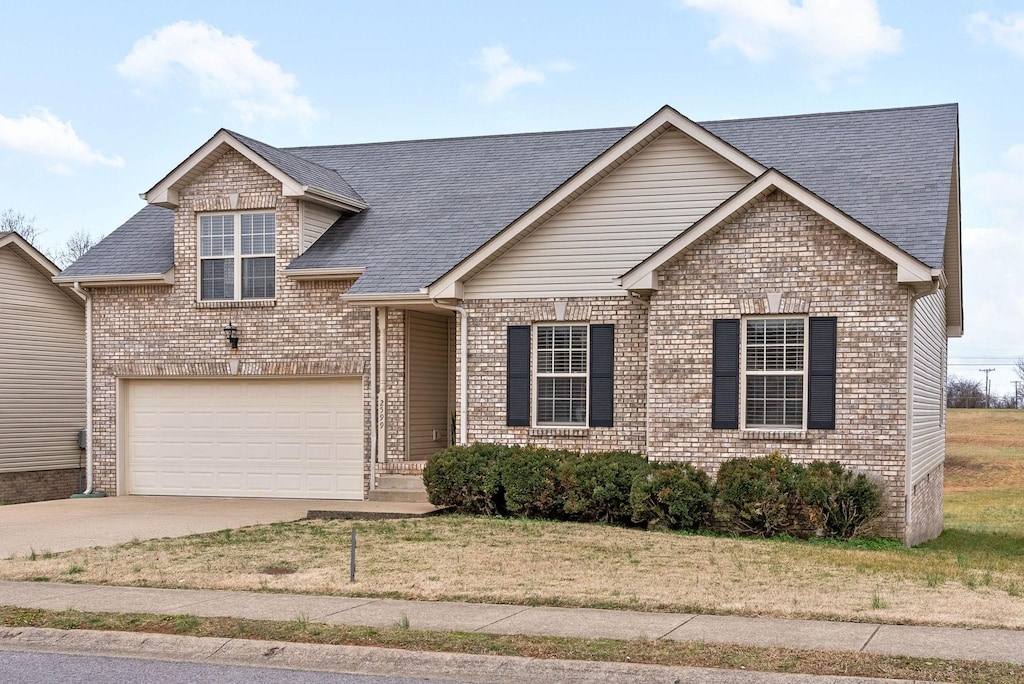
(281, 438)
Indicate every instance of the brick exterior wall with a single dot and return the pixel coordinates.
(395, 385)
(488, 321)
(779, 246)
(926, 508)
(164, 331)
(39, 485)
(775, 246)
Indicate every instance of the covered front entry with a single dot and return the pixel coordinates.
(429, 377)
(244, 437)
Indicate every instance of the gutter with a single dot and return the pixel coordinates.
(464, 364)
(88, 393)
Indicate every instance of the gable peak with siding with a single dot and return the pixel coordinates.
(662, 189)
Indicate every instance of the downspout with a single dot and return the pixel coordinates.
(464, 365)
(373, 398)
(646, 304)
(88, 388)
(911, 321)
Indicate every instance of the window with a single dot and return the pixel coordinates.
(774, 362)
(236, 256)
(562, 369)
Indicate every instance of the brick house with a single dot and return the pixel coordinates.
(313, 322)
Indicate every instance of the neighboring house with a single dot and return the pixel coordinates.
(42, 377)
(690, 291)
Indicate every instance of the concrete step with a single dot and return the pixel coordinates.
(403, 482)
(398, 495)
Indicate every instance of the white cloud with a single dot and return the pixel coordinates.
(1007, 34)
(830, 37)
(44, 135)
(223, 69)
(504, 74)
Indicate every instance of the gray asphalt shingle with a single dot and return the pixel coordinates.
(434, 202)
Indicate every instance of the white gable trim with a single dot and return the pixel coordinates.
(644, 276)
(448, 286)
(36, 258)
(165, 193)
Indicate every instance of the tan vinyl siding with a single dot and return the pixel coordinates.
(632, 212)
(315, 222)
(42, 370)
(928, 375)
(428, 371)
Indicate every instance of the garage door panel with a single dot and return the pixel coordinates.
(294, 438)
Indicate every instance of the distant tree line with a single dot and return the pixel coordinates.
(64, 254)
(969, 393)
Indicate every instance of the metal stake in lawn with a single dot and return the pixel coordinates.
(352, 561)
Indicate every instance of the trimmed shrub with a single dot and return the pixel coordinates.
(529, 479)
(840, 503)
(759, 496)
(597, 486)
(672, 495)
(467, 478)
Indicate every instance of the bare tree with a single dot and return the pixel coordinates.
(25, 226)
(964, 393)
(80, 242)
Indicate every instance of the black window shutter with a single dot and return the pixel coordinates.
(821, 374)
(517, 382)
(725, 374)
(602, 365)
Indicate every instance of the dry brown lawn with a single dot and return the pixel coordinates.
(538, 562)
(972, 575)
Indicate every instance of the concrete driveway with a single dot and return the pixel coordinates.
(68, 524)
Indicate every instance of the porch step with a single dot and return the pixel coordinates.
(399, 489)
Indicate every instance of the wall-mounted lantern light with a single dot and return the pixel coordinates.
(231, 332)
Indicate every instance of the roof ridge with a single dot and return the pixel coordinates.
(460, 137)
(845, 112)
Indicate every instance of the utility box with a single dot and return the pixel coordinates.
(83, 439)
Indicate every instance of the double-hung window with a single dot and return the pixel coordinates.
(774, 363)
(562, 369)
(236, 256)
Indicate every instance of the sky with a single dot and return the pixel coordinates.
(102, 99)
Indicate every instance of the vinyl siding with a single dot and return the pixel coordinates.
(42, 370)
(428, 372)
(927, 420)
(315, 222)
(632, 212)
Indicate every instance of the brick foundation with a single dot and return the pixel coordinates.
(39, 485)
(926, 508)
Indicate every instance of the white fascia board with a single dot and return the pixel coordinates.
(38, 259)
(397, 299)
(165, 193)
(323, 273)
(664, 116)
(909, 269)
(333, 200)
(166, 278)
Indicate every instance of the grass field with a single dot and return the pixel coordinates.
(985, 471)
(972, 575)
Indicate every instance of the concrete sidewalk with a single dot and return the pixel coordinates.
(925, 642)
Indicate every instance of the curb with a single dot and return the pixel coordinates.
(362, 660)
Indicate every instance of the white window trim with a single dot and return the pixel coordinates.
(236, 257)
(743, 375)
(534, 374)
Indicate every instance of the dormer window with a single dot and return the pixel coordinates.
(236, 256)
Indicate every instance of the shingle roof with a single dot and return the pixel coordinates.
(434, 202)
(302, 170)
(143, 244)
(888, 168)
